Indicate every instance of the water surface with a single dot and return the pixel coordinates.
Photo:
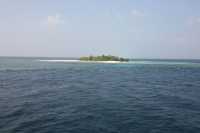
(143, 96)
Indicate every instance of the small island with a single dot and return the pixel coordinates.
(104, 58)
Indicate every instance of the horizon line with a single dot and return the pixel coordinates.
(132, 58)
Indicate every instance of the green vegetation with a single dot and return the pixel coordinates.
(104, 58)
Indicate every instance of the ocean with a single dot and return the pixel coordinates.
(143, 96)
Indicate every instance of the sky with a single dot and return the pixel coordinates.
(74, 28)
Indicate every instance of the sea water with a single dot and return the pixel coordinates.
(142, 96)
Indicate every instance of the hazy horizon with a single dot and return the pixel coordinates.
(146, 29)
(77, 57)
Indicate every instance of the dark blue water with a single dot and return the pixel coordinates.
(138, 97)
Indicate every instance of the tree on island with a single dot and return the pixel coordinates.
(104, 58)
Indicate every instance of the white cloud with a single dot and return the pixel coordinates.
(194, 20)
(137, 13)
(198, 20)
(53, 20)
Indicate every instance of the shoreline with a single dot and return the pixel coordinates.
(119, 62)
(79, 61)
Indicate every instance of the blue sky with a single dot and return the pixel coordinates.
(73, 28)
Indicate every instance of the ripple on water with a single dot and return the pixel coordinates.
(109, 98)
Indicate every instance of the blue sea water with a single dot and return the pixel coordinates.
(143, 96)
